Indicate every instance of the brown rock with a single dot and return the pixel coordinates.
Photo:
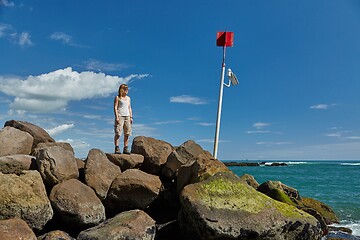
(155, 153)
(268, 187)
(64, 145)
(56, 164)
(25, 197)
(15, 229)
(133, 189)
(126, 161)
(186, 153)
(201, 169)
(55, 235)
(326, 211)
(134, 224)
(224, 207)
(17, 163)
(77, 204)
(100, 172)
(250, 180)
(14, 141)
(39, 134)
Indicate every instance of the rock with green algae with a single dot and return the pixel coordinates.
(328, 214)
(224, 207)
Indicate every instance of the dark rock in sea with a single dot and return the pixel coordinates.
(241, 164)
(275, 164)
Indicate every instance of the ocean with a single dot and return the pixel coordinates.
(335, 183)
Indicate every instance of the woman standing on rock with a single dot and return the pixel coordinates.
(123, 118)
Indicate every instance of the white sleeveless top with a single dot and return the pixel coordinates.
(123, 107)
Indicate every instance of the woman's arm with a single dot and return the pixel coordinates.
(116, 105)
(130, 111)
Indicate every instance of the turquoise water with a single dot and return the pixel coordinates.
(335, 183)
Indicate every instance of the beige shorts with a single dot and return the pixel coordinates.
(125, 125)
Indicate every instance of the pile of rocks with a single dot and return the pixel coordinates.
(157, 192)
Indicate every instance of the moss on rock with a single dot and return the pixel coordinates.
(232, 194)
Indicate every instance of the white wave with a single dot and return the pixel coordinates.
(350, 164)
(354, 226)
(295, 163)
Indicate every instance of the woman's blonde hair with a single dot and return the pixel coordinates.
(121, 89)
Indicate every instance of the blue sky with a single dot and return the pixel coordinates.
(298, 63)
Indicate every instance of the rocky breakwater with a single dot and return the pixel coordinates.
(158, 192)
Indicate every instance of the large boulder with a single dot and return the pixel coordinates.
(64, 145)
(39, 134)
(14, 141)
(224, 207)
(77, 204)
(281, 192)
(126, 161)
(15, 229)
(133, 189)
(55, 235)
(17, 163)
(326, 211)
(134, 224)
(203, 167)
(56, 165)
(250, 180)
(155, 153)
(25, 197)
(100, 172)
(185, 154)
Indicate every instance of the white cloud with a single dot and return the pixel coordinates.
(206, 124)
(344, 135)
(260, 125)
(187, 99)
(75, 143)
(4, 29)
(320, 106)
(6, 3)
(258, 131)
(62, 37)
(143, 130)
(167, 122)
(66, 39)
(96, 65)
(8, 32)
(353, 137)
(52, 91)
(25, 39)
(59, 129)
